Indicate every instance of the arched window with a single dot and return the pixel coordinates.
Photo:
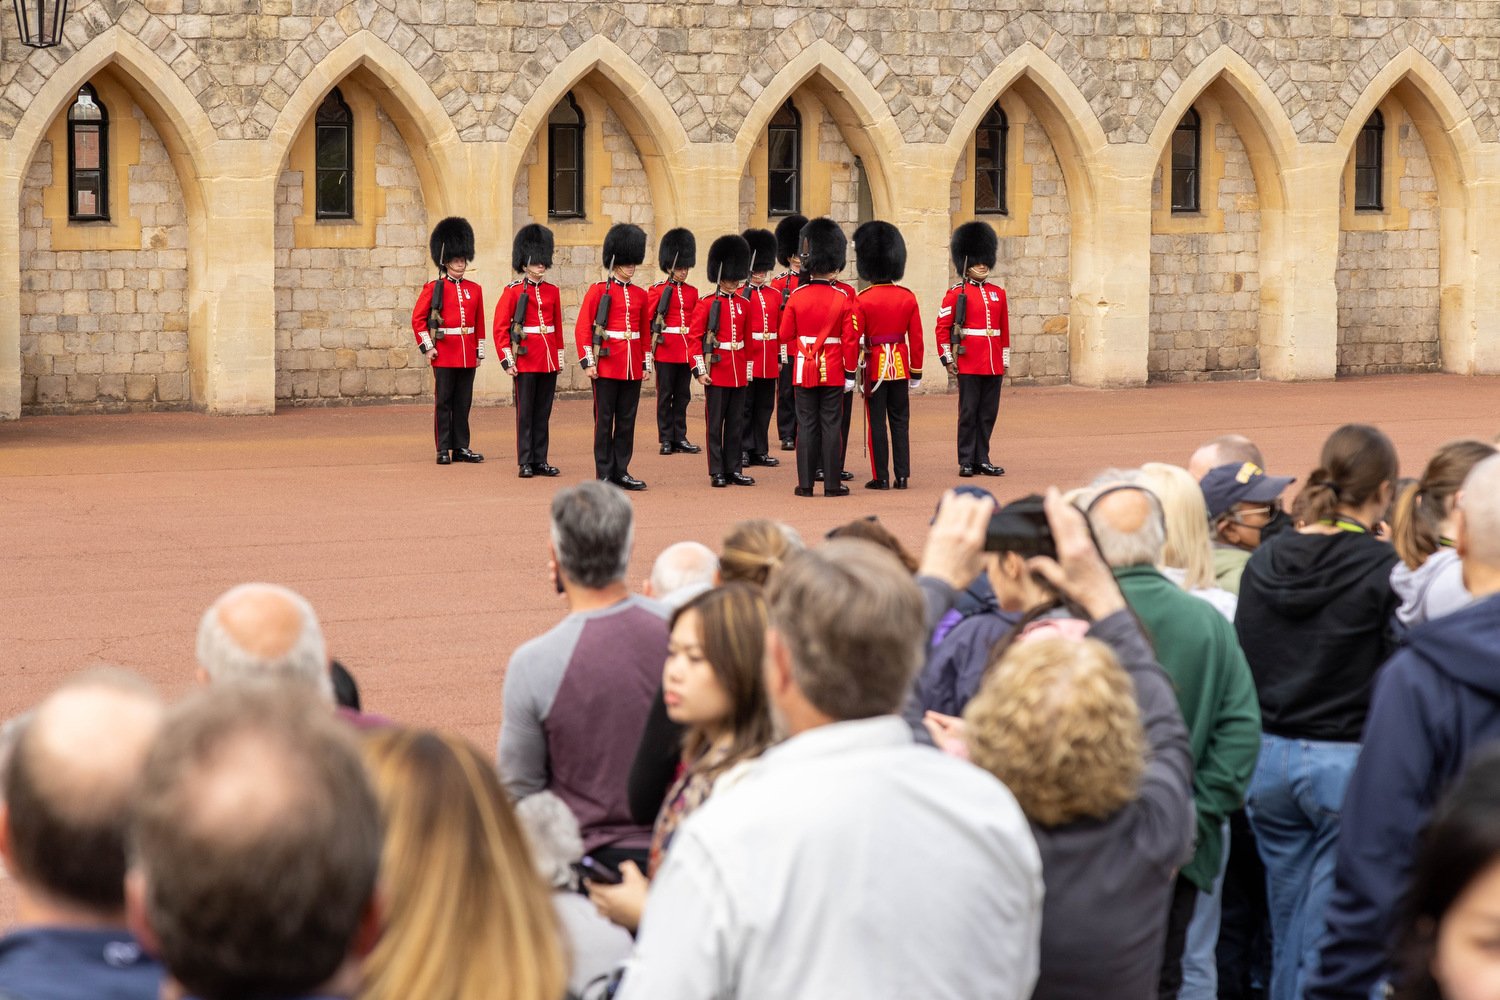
(784, 162)
(1187, 162)
(989, 163)
(565, 160)
(335, 158)
(88, 158)
(1369, 165)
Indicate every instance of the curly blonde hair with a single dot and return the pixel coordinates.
(1057, 722)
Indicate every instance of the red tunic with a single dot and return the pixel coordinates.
(674, 342)
(786, 283)
(986, 328)
(542, 327)
(733, 367)
(627, 334)
(820, 329)
(763, 316)
(463, 323)
(892, 327)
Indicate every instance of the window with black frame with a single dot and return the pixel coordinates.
(784, 162)
(88, 158)
(565, 160)
(990, 142)
(1187, 163)
(1369, 165)
(334, 151)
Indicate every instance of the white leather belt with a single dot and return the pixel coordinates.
(809, 341)
(536, 329)
(455, 331)
(981, 333)
(622, 335)
(673, 329)
(764, 336)
(732, 345)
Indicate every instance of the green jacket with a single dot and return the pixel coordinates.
(1198, 649)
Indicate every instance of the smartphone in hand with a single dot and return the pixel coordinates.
(591, 870)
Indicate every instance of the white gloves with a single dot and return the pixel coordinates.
(848, 385)
(1005, 357)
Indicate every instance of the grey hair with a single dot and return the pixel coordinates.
(683, 566)
(1480, 502)
(593, 527)
(552, 831)
(1142, 547)
(305, 662)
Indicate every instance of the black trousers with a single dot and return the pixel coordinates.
(452, 393)
(786, 405)
(534, 394)
(978, 405)
(674, 388)
(615, 403)
(726, 427)
(818, 432)
(1179, 916)
(890, 403)
(760, 403)
(846, 419)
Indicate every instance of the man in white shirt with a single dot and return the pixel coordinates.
(850, 862)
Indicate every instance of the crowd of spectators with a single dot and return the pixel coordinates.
(1189, 732)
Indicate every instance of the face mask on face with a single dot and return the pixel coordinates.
(1280, 521)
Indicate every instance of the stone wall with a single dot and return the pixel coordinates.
(106, 329)
(1388, 277)
(1205, 286)
(343, 315)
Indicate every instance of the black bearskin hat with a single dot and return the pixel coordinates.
(532, 245)
(788, 233)
(624, 244)
(451, 238)
(729, 259)
(879, 252)
(678, 249)
(825, 248)
(762, 249)
(973, 243)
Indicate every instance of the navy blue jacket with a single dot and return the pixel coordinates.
(1436, 702)
(65, 963)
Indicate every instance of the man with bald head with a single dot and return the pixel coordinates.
(68, 789)
(254, 848)
(1223, 450)
(260, 632)
(1436, 702)
(1200, 651)
(682, 572)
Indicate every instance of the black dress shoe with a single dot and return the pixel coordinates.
(628, 482)
(666, 448)
(718, 481)
(966, 472)
(543, 469)
(986, 469)
(802, 491)
(836, 491)
(527, 471)
(745, 459)
(787, 444)
(444, 458)
(818, 476)
(878, 484)
(769, 461)
(900, 482)
(465, 455)
(846, 476)
(686, 448)
(740, 479)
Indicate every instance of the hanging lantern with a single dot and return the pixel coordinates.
(41, 21)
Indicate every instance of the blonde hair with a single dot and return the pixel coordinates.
(754, 549)
(1056, 720)
(1188, 547)
(468, 916)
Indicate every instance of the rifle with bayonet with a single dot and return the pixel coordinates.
(960, 311)
(435, 312)
(601, 315)
(518, 321)
(659, 321)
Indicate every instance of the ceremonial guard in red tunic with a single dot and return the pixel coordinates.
(891, 325)
(973, 339)
(789, 254)
(613, 342)
(671, 303)
(762, 315)
(820, 331)
(721, 359)
(449, 325)
(531, 311)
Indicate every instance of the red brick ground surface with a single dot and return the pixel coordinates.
(117, 531)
